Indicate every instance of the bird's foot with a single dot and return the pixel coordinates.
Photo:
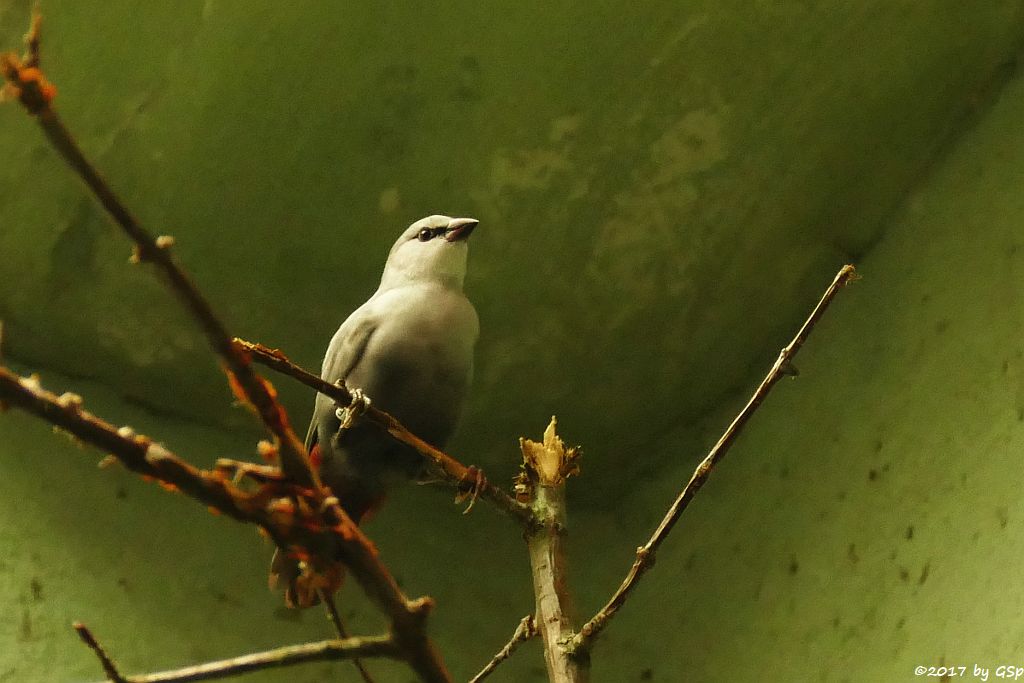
(350, 413)
(470, 486)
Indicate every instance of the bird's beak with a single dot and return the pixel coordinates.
(459, 228)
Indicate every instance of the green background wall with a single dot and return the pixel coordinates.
(664, 190)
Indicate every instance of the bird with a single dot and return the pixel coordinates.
(408, 349)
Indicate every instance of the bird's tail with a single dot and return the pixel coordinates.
(286, 573)
(302, 589)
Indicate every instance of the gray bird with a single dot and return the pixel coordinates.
(409, 349)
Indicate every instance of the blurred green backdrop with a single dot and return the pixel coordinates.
(664, 190)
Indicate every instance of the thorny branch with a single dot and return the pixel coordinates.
(319, 651)
(583, 641)
(453, 471)
(27, 82)
(526, 630)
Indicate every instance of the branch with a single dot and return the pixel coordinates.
(583, 641)
(36, 94)
(546, 466)
(524, 631)
(453, 472)
(321, 651)
(137, 452)
(407, 617)
(271, 507)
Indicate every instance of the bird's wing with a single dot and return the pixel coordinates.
(311, 435)
(348, 345)
(344, 353)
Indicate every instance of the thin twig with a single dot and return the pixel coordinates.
(339, 627)
(453, 472)
(240, 469)
(524, 631)
(106, 662)
(407, 616)
(546, 466)
(583, 641)
(289, 655)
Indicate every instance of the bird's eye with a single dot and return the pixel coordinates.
(425, 235)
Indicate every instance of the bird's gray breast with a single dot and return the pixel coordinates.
(417, 364)
(418, 361)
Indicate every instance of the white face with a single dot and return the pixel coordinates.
(433, 249)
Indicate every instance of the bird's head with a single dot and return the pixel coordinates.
(431, 250)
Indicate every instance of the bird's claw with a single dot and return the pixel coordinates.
(350, 413)
(472, 483)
